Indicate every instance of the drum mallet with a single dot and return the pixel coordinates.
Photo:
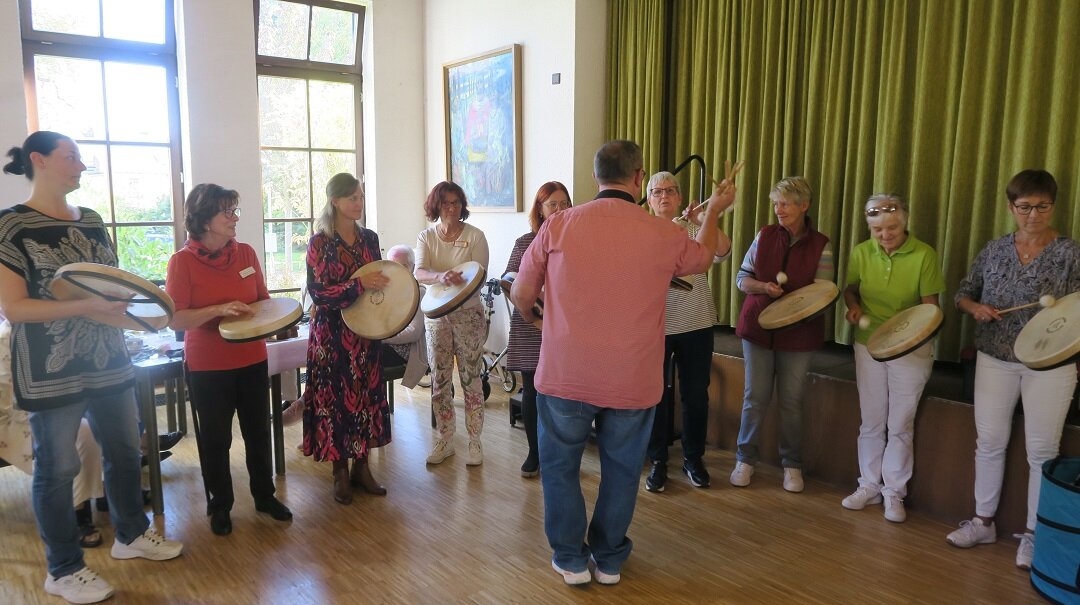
(1045, 301)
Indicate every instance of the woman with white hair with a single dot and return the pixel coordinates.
(888, 273)
(409, 346)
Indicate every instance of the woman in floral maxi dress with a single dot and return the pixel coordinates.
(346, 413)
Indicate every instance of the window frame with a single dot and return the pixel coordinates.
(314, 70)
(99, 48)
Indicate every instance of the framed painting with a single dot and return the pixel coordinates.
(482, 105)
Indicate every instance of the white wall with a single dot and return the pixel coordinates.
(550, 33)
(13, 188)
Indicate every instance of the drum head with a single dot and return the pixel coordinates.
(678, 283)
(799, 306)
(1052, 337)
(271, 316)
(379, 314)
(442, 299)
(150, 308)
(507, 281)
(904, 332)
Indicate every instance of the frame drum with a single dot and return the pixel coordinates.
(904, 332)
(379, 314)
(1052, 337)
(799, 305)
(442, 299)
(506, 282)
(150, 308)
(271, 316)
(678, 283)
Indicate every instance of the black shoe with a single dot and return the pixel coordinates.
(657, 477)
(696, 472)
(220, 523)
(531, 466)
(168, 440)
(273, 507)
(163, 456)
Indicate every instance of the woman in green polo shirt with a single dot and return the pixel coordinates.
(888, 273)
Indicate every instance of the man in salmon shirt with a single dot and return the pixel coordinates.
(605, 267)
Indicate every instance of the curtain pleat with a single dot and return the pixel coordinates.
(939, 101)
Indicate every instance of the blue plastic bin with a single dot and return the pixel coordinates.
(1055, 570)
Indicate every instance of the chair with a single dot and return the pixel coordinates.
(390, 374)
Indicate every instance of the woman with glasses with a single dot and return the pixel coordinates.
(1018, 268)
(888, 273)
(688, 336)
(461, 333)
(524, 343)
(213, 276)
(794, 247)
(347, 414)
(65, 367)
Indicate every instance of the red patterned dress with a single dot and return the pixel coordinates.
(346, 413)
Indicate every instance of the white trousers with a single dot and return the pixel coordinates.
(889, 394)
(1046, 396)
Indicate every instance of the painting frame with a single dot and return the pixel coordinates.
(482, 120)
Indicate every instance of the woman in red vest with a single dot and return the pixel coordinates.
(794, 247)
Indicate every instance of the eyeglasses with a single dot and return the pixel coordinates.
(557, 204)
(450, 203)
(662, 191)
(1026, 209)
(233, 212)
(890, 208)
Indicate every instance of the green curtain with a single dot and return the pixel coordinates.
(940, 101)
(636, 88)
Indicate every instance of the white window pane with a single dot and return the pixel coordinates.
(142, 183)
(135, 20)
(283, 112)
(137, 101)
(283, 29)
(93, 191)
(333, 36)
(78, 17)
(145, 250)
(69, 96)
(286, 254)
(333, 115)
(285, 184)
(326, 165)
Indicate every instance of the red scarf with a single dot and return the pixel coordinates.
(218, 259)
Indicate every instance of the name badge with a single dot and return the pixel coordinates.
(247, 272)
(461, 244)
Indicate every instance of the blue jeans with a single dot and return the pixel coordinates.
(621, 436)
(789, 371)
(114, 420)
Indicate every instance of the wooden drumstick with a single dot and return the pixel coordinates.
(781, 278)
(1045, 301)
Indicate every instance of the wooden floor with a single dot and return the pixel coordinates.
(457, 534)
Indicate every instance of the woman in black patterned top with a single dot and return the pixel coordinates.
(66, 366)
(524, 337)
(1033, 261)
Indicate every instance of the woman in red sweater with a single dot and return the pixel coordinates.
(212, 277)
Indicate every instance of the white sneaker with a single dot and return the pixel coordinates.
(793, 481)
(861, 498)
(607, 579)
(1026, 552)
(83, 586)
(150, 546)
(441, 451)
(476, 454)
(973, 532)
(572, 578)
(894, 509)
(740, 477)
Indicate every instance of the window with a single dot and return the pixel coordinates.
(308, 55)
(104, 73)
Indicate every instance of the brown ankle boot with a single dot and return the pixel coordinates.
(342, 489)
(361, 477)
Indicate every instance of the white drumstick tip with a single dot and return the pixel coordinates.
(864, 322)
(1047, 301)
(781, 278)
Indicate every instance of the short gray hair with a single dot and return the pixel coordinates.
(658, 178)
(878, 198)
(617, 161)
(403, 249)
(794, 188)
